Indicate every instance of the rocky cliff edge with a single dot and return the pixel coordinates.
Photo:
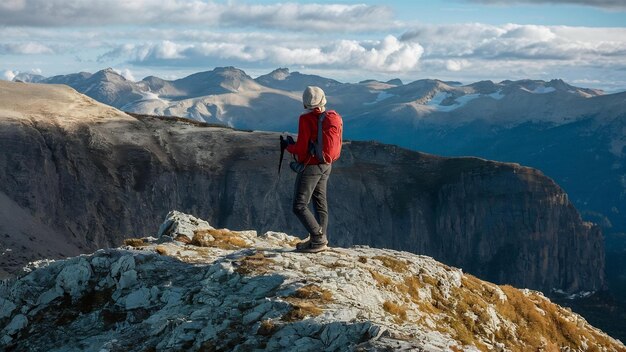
(197, 288)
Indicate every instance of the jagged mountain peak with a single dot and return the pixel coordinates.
(485, 87)
(28, 77)
(543, 87)
(279, 74)
(108, 74)
(217, 81)
(231, 71)
(282, 78)
(200, 288)
(453, 83)
(152, 79)
(428, 84)
(223, 72)
(395, 82)
(420, 91)
(71, 79)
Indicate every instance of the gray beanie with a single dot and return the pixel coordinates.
(313, 97)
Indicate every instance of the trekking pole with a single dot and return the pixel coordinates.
(282, 153)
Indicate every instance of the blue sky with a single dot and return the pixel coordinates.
(583, 42)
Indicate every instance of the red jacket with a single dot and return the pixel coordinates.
(307, 131)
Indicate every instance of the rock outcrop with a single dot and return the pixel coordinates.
(241, 292)
(95, 175)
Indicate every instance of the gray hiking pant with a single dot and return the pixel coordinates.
(311, 183)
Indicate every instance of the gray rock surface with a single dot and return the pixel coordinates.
(261, 296)
(96, 176)
(177, 223)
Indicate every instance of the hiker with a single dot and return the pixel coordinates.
(313, 164)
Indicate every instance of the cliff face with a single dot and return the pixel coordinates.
(95, 175)
(236, 291)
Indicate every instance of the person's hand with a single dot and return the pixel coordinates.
(283, 142)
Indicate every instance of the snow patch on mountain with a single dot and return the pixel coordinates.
(152, 96)
(542, 90)
(497, 95)
(445, 101)
(381, 97)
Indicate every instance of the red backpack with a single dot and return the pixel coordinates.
(330, 133)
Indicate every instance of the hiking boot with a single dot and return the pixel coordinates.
(314, 244)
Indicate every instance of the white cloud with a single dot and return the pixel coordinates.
(519, 42)
(28, 48)
(387, 55)
(12, 5)
(295, 16)
(471, 52)
(126, 73)
(529, 33)
(456, 65)
(8, 75)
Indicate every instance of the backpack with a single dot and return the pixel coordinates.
(327, 147)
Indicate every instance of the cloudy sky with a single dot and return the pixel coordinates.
(581, 41)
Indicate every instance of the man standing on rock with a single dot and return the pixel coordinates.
(318, 145)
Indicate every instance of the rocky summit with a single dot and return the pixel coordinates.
(197, 288)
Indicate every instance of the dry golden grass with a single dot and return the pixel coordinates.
(267, 328)
(399, 312)
(182, 238)
(314, 292)
(438, 300)
(300, 311)
(537, 318)
(412, 285)
(294, 242)
(162, 250)
(219, 238)
(464, 314)
(465, 329)
(257, 263)
(486, 290)
(429, 280)
(394, 264)
(465, 311)
(472, 283)
(334, 265)
(307, 301)
(134, 242)
(539, 324)
(382, 280)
